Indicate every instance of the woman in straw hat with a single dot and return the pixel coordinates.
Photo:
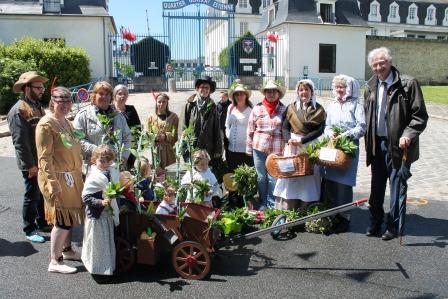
(236, 126)
(60, 178)
(346, 112)
(264, 137)
(304, 123)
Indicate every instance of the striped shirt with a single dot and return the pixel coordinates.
(264, 133)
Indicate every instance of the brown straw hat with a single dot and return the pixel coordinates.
(238, 86)
(27, 78)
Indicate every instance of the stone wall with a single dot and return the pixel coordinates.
(424, 59)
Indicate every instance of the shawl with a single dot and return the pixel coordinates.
(304, 121)
(96, 181)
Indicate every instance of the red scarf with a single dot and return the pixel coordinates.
(270, 106)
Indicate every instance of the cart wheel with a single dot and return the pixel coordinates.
(125, 255)
(280, 219)
(191, 260)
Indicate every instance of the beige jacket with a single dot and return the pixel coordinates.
(59, 172)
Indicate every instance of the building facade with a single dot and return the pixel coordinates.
(402, 18)
(80, 23)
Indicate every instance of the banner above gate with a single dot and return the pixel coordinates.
(212, 3)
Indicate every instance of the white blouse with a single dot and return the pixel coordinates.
(236, 127)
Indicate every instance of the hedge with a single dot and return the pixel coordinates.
(50, 58)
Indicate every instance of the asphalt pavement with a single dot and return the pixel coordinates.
(305, 266)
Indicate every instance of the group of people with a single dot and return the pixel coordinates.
(54, 154)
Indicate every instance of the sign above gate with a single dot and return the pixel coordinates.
(212, 3)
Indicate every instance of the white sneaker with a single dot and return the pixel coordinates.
(71, 255)
(61, 268)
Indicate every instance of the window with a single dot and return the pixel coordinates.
(430, 15)
(327, 58)
(440, 37)
(394, 16)
(271, 16)
(393, 12)
(244, 27)
(374, 32)
(374, 10)
(242, 3)
(411, 35)
(421, 36)
(445, 20)
(326, 13)
(412, 13)
(51, 6)
(374, 14)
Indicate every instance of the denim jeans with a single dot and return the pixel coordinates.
(265, 182)
(33, 212)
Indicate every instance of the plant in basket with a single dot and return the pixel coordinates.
(271, 214)
(333, 152)
(233, 222)
(319, 226)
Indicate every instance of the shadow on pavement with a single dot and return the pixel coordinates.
(21, 248)
(417, 225)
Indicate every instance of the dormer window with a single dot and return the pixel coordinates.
(430, 15)
(271, 16)
(374, 15)
(445, 19)
(242, 3)
(394, 16)
(412, 14)
(51, 6)
(326, 10)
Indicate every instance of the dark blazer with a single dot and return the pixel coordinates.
(406, 116)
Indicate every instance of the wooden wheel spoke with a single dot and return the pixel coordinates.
(202, 263)
(191, 250)
(198, 255)
(181, 259)
(181, 268)
(184, 253)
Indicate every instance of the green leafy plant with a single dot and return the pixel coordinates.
(318, 226)
(245, 178)
(271, 214)
(113, 190)
(202, 188)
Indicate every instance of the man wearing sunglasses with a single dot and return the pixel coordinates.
(22, 120)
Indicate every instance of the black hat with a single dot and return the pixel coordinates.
(205, 79)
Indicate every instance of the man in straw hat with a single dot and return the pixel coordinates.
(201, 113)
(22, 120)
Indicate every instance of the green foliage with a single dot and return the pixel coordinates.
(233, 221)
(159, 192)
(114, 189)
(271, 214)
(10, 71)
(245, 178)
(50, 58)
(224, 59)
(125, 69)
(318, 226)
(202, 188)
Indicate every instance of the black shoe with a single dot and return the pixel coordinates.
(389, 235)
(374, 231)
(45, 228)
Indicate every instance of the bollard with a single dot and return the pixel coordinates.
(172, 85)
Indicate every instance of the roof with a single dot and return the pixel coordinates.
(305, 11)
(70, 7)
(422, 5)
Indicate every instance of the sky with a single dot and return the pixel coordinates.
(132, 14)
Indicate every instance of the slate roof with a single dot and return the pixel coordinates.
(422, 5)
(70, 7)
(305, 11)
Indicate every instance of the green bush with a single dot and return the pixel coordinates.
(50, 58)
(10, 71)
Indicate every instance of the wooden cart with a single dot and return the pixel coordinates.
(191, 251)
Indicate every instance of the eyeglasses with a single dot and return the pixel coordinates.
(38, 87)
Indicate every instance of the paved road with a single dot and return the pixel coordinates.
(311, 266)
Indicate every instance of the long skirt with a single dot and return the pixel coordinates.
(98, 246)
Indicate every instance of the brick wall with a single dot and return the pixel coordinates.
(424, 59)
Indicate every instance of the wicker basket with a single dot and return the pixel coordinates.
(342, 161)
(286, 167)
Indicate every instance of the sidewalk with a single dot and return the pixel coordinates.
(427, 181)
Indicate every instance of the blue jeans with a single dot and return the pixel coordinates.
(265, 182)
(33, 212)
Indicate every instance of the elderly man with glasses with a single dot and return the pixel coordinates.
(22, 120)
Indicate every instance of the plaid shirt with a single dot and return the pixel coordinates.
(264, 133)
